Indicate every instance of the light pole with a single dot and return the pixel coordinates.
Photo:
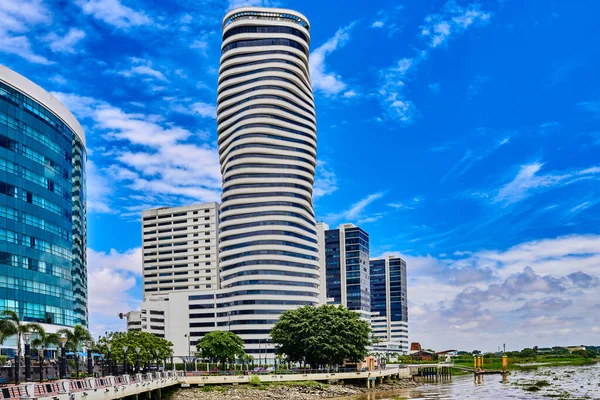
(172, 363)
(76, 354)
(62, 369)
(157, 353)
(137, 360)
(41, 364)
(189, 345)
(125, 359)
(27, 339)
(108, 344)
(90, 358)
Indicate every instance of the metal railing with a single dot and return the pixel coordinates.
(54, 388)
(275, 372)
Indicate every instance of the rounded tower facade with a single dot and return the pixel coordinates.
(267, 146)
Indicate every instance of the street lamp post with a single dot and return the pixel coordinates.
(76, 354)
(62, 369)
(90, 358)
(27, 339)
(172, 363)
(125, 348)
(108, 344)
(41, 364)
(137, 360)
(148, 362)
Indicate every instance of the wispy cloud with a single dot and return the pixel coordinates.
(252, 3)
(143, 68)
(114, 13)
(325, 180)
(435, 88)
(454, 19)
(591, 107)
(17, 18)
(471, 158)
(356, 211)
(329, 83)
(388, 18)
(66, 43)
(528, 180)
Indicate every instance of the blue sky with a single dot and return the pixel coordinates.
(463, 135)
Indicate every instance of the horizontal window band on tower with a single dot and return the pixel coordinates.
(266, 194)
(269, 253)
(265, 135)
(265, 175)
(267, 243)
(268, 213)
(243, 64)
(269, 136)
(263, 105)
(267, 107)
(265, 29)
(270, 262)
(266, 204)
(267, 232)
(271, 282)
(269, 116)
(270, 272)
(266, 292)
(265, 302)
(271, 157)
(264, 42)
(248, 322)
(269, 166)
(270, 146)
(256, 54)
(241, 94)
(290, 71)
(249, 312)
(221, 89)
(264, 185)
(266, 223)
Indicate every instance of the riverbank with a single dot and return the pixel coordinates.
(309, 390)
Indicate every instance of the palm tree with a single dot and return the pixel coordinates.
(11, 325)
(43, 341)
(75, 337)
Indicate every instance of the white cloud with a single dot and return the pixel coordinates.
(391, 92)
(58, 79)
(325, 180)
(453, 19)
(112, 287)
(154, 156)
(328, 83)
(356, 211)
(504, 296)
(17, 17)
(66, 43)
(114, 13)
(377, 24)
(528, 180)
(590, 106)
(141, 67)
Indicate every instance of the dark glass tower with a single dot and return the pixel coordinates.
(43, 272)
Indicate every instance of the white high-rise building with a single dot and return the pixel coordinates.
(267, 147)
(180, 248)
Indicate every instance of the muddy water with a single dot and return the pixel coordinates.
(542, 383)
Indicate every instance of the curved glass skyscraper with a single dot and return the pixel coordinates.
(267, 147)
(43, 272)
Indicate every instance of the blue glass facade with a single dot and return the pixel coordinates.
(347, 266)
(395, 280)
(43, 274)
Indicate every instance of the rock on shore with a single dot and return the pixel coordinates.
(281, 392)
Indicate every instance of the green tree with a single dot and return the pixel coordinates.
(325, 335)
(222, 346)
(44, 340)
(11, 325)
(147, 342)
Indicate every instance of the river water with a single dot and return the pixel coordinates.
(542, 383)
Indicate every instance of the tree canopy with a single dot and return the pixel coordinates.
(76, 337)
(147, 342)
(222, 346)
(325, 335)
(11, 325)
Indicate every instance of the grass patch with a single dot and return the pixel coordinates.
(213, 388)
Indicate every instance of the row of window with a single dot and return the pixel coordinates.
(265, 223)
(34, 177)
(265, 29)
(264, 42)
(35, 243)
(267, 214)
(269, 252)
(33, 155)
(239, 94)
(269, 262)
(32, 264)
(36, 287)
(221, 128)
(32, 220)
(248, 84)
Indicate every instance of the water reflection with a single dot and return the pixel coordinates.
(544, 383)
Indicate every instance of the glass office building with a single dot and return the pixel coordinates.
(347, 268)
(43, 274)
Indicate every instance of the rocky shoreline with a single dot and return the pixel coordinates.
(310, 391)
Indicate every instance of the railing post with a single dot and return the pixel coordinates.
(29, 389)
(91, 383)
(64, 386)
